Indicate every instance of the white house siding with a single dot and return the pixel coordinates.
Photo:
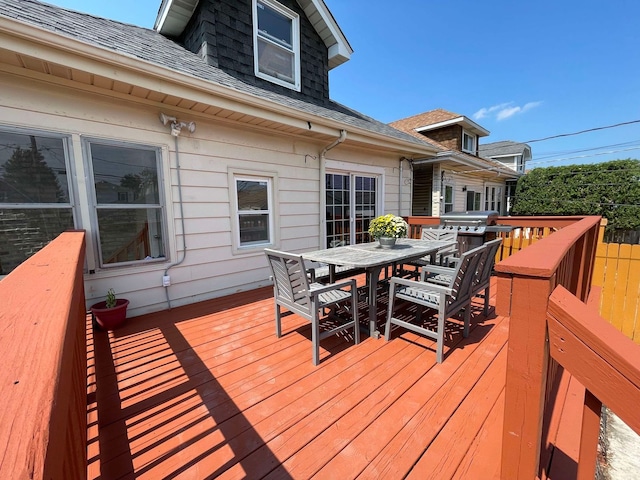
(210, 267)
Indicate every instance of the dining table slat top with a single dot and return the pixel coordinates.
(365, 255)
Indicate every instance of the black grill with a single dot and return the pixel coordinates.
(474, 228)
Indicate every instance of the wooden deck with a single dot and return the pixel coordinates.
(208, 391)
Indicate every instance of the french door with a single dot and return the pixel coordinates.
(351, 203)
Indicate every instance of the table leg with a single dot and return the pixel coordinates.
(373, 274)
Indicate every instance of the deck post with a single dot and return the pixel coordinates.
(527, 365)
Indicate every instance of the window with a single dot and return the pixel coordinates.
(129, 207)
(254, 205)
(448, 198)
(35, 196)
(493, 198)
(276, 44)
(473, 200)
(468, 143)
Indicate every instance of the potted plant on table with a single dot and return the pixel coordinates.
(387, 228)
(110, 313)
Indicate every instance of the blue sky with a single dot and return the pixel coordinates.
(524, 70)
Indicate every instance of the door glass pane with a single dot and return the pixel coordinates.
(337, 201)
(365, 207)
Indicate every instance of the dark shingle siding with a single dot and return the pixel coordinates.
(149, 46)
(229, 46)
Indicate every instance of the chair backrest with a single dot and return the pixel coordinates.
(438, 234)
(464, 275)
(441, 234)
(290, 283)
(488, 260)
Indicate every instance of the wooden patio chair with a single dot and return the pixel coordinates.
(482, 281)
(293, 291)
(446, 300)
(443, 256)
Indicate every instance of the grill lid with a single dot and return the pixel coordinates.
(479, 217)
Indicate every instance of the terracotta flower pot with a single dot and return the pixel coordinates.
(110, 318)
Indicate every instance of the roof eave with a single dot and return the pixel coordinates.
(465, 122)
(28, 39)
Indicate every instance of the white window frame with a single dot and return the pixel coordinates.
(474, 141)
(295, 47)
(492, 202)
(271, 178)
(161, 206)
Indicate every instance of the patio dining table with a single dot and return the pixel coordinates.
(373, 258)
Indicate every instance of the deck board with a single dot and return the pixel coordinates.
(208, 391)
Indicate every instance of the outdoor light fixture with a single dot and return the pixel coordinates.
(176, 126)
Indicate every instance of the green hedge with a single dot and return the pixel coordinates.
(610, 189)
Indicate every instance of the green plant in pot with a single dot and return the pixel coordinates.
(387, 228)
(110, 313)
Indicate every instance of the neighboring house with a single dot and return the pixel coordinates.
(457, 178)
(186, 150)
(511, 154)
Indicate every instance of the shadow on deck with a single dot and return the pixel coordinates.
(208, 391)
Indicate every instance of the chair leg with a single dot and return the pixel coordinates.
(278, 321)
(467, 320)
(392, 295)
(486, 301)
(354, 314)
(440, 333)
(315, 336)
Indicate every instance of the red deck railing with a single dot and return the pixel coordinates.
(525, 283)
(43, 390)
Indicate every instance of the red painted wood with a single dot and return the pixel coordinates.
(42, 379)
(480, 460)
(526, 378)
(590, 436)
(593, 350)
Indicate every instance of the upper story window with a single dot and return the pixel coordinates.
(276, 33)
(469, 142)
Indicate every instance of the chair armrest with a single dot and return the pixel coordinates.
(332, 286)
(437, 269)
(420, 285)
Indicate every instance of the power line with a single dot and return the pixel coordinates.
(561, 135)
(583, 131)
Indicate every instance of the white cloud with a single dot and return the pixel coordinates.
(505, 110)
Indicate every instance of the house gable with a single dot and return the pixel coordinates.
(221, 32)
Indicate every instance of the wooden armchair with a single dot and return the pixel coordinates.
(293, 291)
(446, 300)
(443, 256)
(482, 281)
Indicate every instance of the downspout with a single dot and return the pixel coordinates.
(400, 181)
(323, 200)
